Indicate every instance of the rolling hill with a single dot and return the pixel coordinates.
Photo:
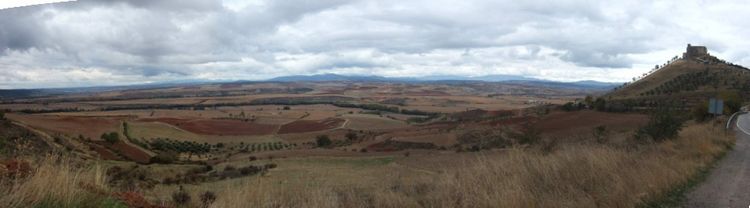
(691, 79)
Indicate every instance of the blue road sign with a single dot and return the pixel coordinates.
(715, 106)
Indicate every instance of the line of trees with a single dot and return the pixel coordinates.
(599, 104)
(376, 107)
(163, 144)
(655, 69)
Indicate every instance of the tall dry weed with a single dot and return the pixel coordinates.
(54, 182)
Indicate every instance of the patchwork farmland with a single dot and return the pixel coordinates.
(328, 136)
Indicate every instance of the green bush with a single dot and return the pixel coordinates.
(351, 136)
(2, 144)
(323, 141)
(662, 125)
(164, 158)
(600, 104)
(732, 101)
(600, 134)
(181, 197)
(571, 106)
(529, 134)
(112, 137)
(207, 198)
(700, 112)
(112, 203)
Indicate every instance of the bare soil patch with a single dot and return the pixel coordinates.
(89, 127)
(104, 153)
(218, 127)
(133, 153)
(573, 123)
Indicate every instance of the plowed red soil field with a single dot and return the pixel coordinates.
(571, 123)
(130, 152)
(104, 153)
(89, 127)
(218, 127)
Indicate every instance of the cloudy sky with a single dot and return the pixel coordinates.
(113, 42)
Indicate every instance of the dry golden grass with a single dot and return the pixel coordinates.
(575, 175)
(56, 182)
(372, 122)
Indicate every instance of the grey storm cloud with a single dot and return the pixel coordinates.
(90, 42)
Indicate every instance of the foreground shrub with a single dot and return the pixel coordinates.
(164, 158)
(700, 112)
(57, 182)
(600, 134)
(131, 199)
(475, 140)
(662, 125)
(351, 136)
(16, 169)
(181, 197)
(323, 141)
(528, 134)
(570, 106)
(207, 198)
(112, 137)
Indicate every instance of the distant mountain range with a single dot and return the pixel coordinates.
(510, 79)
(335, 77)
(338, 77)
(514, 79)
(43, 92)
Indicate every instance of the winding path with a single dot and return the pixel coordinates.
(729, 183)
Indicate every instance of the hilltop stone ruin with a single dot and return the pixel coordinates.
(695, 52)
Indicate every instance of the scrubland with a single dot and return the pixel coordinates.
(569, 174)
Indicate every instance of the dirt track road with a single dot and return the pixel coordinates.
(729, 183)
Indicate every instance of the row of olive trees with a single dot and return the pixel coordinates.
(644, 75)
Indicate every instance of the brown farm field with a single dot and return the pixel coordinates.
(367, 122)
(89, 127)
(565, 124)
(301, 126)
(354, 115)
(217, 127)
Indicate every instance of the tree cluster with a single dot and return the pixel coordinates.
(162, 144)
(663, 125)
(323, 141)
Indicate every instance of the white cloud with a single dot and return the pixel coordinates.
(21, 3)
(78, 43)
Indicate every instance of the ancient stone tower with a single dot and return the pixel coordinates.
(694, 52)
